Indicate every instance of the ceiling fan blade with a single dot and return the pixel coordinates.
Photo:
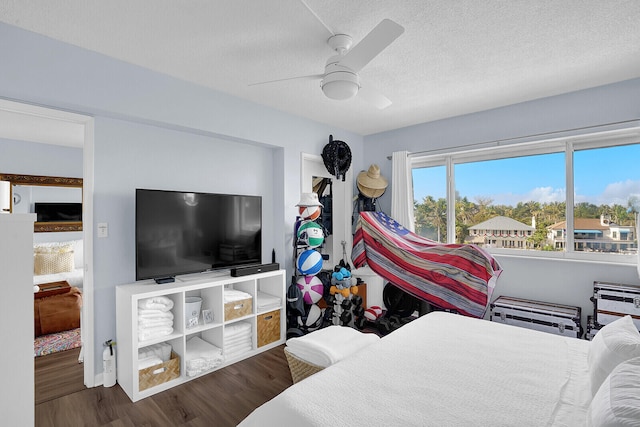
(318, 17)
(372, 44)
(373, 97)
(310, 77)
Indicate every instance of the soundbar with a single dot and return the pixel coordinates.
(254, 269)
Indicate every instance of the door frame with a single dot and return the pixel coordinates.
(87, 122)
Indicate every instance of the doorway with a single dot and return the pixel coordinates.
(20, 122)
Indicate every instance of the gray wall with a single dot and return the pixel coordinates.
(560, 281)
(155, 131)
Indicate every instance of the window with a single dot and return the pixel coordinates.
(607, 186)
(430, 202)
(519, 197)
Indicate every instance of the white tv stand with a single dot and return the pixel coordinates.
(210, 289)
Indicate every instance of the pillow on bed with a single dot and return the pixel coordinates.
(52, 260)
(617, 402)
(615, 343)
(78, 250)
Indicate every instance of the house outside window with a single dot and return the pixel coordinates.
(592, 179)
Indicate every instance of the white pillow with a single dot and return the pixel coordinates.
(78, 250)
(617, 402)
(615, 343)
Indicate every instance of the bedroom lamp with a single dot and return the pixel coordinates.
(5, 196)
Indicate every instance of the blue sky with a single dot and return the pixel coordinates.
(602, 176)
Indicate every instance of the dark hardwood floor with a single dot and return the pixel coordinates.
(222, 398)
(57, 375)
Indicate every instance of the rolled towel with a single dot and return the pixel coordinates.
(327, 346)
(158, 303)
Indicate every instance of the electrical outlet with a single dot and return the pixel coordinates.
(103, 229)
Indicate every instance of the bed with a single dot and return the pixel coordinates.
(445, 369)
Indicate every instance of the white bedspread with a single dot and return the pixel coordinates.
(444, 370)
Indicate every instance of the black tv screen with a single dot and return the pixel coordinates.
(181, 232)
(58, 212)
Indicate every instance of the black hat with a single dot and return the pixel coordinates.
(337, 157)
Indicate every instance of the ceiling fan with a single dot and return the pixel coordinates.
(340, 79)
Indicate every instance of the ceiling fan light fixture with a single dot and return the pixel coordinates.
(340, 85)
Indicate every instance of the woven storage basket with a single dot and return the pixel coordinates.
(237, 309)
(158, 374)
(299, 368)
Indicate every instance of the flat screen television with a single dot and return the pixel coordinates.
(58, 212)
(179, 232)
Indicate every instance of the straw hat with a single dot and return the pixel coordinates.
(309, 199)
(371, 183)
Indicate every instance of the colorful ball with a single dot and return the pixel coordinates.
(311, 288)
(311, 233)
(310, 212)
(309, 262)
(372, 313)
(314, 316)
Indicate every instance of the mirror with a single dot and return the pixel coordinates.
(60, 195)
(338, 244)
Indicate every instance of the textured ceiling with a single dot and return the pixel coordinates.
(455, 57)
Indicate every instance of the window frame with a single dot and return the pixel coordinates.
(523, 147)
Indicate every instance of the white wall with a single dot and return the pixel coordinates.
(16, 403)
(560, 281)
(30, 158)
(156, 131)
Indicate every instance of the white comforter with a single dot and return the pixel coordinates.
(444, 370)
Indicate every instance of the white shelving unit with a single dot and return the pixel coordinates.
(210, 288)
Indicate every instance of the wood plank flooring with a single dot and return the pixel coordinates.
(57, 375)
(222, 398)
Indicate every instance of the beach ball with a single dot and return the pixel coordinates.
(314, 317)
(311, 288)
(309, 212)
(311, 233)
(372, 313)
(309, 262)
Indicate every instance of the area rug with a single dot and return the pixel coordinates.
(60, 341)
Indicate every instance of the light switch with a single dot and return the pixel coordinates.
(103, 229)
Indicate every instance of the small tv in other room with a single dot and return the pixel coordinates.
(58, 212)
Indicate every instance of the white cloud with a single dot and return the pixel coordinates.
(618, 193)
(538, 194)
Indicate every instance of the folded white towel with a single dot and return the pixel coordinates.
(147, 334)
(161, 350)
(201, 356)
(151, 323)
(231, 295)
(148, 362)
(327, 346)
(235, 340)
(156, 303)
(265, 301)
(236, 329)
(229, 355)
(145, 313)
